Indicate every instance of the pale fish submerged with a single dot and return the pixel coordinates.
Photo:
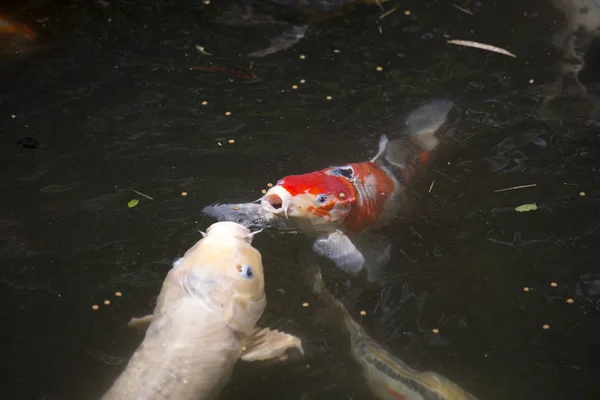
(339, 205)
(388, 377)
(204, 321)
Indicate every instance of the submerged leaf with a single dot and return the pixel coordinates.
(133, 203)
(526, 207)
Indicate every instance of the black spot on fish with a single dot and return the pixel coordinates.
(346, 172)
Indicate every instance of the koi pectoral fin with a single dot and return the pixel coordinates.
(268, 344)
(339, 248)
(141, 323)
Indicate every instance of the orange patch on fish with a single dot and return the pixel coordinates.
(393, 393)
(8, 25)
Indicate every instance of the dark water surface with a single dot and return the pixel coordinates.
(109, 118)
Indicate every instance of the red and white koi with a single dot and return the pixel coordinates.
(350, 199)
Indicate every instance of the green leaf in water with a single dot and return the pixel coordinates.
(526, 207)
(133, 203)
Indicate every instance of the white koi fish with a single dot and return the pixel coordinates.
(204, 321)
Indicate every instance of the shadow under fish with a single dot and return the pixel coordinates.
(341, 206)
(296, 15)
(388, 377)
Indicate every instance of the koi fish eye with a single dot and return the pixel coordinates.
(177, 261)
(245, 270)
(321, 198)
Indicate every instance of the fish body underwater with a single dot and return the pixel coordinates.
(352, 200)
(204, 321)
(297, 15)
(10, 26)
(388, 377)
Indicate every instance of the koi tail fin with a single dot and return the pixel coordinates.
(411, 152)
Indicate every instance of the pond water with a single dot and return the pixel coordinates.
(104, 102)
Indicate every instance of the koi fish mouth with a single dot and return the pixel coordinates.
(277, 201)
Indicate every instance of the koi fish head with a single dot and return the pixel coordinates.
(321, 198)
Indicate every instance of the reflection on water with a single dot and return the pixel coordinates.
(87, 116)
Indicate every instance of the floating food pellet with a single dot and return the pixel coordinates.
(329, 97)
(95, 307)
(553, 284)
(435, 330)
(295, 87)
(363, 313)
(244, 348)
(228, 113)
(407, 12)
(302, 56)
(379, 69)
(526, 289)
(231, 141)
(545, 326)
(582, 194)
(239, 267)
(236, 208)
(570, 301)
(204, 103)
(302, 81)
(531, 81)
(264, 191)
(118, 294)
(184, 194)
(13, 116)
(342, 195)
(269, 184)
(304, 304)
(207, 2)
(106, 302)
(336, 51)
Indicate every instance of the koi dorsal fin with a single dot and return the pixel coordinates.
(383, 141)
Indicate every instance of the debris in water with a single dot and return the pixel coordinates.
(201, 50)
(385, 14)
(465, 10)
(142, 194)
(133, 203)
(526, 207)
(431, 187)
(516, 187)
(482, 46)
